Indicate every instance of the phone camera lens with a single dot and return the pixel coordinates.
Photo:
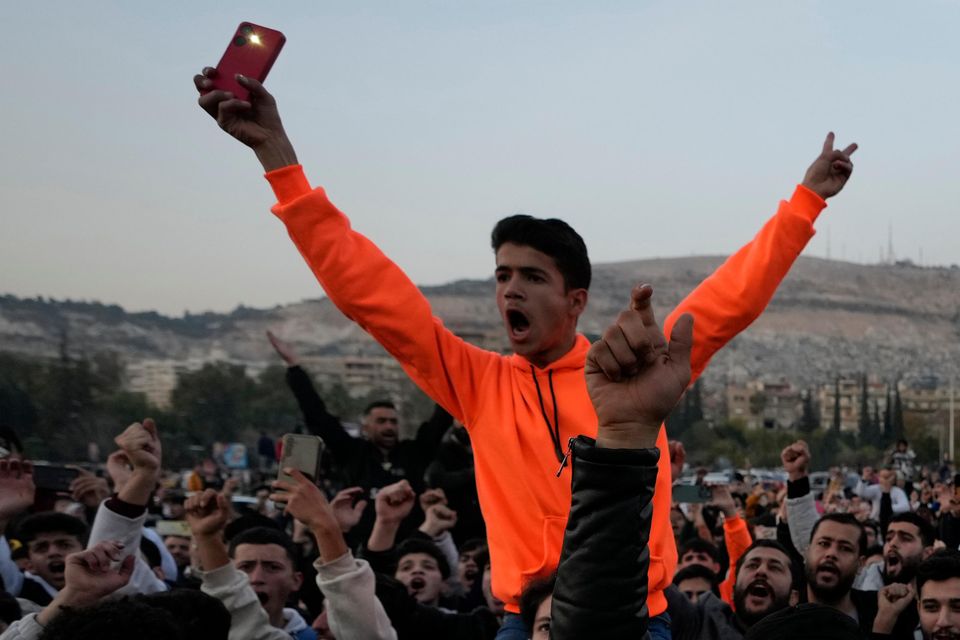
(246, 29)
(239, 41)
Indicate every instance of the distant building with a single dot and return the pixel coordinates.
(850, 392)
(764, 404)
(157, 379)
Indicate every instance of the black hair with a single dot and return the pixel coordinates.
(875, 550)
(51, 522)
(847, 519)
(203, 616)
(699, 545)
(379, 404)
(532, 596)
(927, 534)
(115, 620)
(939, 567)
(181, 614)
(247, 521)
(265, 535)
(473, 544)
(553, 237)
(419, 545)
(9, 608)
(696, 571)
(795, 571)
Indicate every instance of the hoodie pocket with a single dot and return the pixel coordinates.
(551, 541)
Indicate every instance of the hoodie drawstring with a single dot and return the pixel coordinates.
(552, 429)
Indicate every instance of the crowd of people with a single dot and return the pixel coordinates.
(542, 499)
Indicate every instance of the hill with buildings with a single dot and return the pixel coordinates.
(828, 318)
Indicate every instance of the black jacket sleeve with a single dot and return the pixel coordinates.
(315, 415)
(601, 587)
(431, 433)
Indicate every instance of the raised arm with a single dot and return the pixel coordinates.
(634, 378)
(739, 290)
(349, 585)
(364, 284)
(318, 420)
(122, 517)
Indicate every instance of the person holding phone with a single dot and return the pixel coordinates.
(521, 410)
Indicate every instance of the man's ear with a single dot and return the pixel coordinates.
(927, 552)
(577, 299)
(794, 597)
(297, 580)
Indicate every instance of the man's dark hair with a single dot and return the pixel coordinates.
(697, 571)
(532, 596)
(115, 620)
(9, 608)
(843, 518)
(553, 237)
(202, 616)
(939, 567)
(875, 550)
(250, 520)
(927, 534)
(472, 545)
(795, 571)
(379, 404)
(265, 535)
(51, 522)
(699, 545)
(903, 442)
(419, 545)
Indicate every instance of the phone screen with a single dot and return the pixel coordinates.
(303, 453)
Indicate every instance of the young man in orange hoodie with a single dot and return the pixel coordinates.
(522, 409)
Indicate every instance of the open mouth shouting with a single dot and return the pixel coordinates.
(893, 562)
(417, 585)
(759, 594)
(518, 325)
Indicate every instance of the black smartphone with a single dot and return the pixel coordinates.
(691, 493)
(54, 477)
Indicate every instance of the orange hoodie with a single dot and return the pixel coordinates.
(524, 503)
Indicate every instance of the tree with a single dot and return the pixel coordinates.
(897, 419)
(888, 420)
(868, 435)
(809, 422)
(214, 401)
(836, 404)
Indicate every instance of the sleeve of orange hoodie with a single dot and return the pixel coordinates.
(374, 292)
(737, 538)
(739, 290)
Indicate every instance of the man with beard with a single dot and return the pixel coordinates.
(938, 594)
(766, 583)
(837, 545)
(909, 540)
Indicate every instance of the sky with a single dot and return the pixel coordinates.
(656, 129)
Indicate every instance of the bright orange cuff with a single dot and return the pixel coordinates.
(807, 203)
(289, 183)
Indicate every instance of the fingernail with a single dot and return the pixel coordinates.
(241, 77)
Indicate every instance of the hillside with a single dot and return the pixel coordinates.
(828, 316)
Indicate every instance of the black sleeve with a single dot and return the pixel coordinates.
(601, 590)
(431, 433)
(384, 562)
(315, 415)
(886, 512)
(950, 530)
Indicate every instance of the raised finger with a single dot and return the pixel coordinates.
(828, 143)
(210, 72)
(641, 297)
(257, 91)
(850, 149)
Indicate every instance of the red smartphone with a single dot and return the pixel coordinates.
(252, 51)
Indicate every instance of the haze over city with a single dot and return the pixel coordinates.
(654, 128)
